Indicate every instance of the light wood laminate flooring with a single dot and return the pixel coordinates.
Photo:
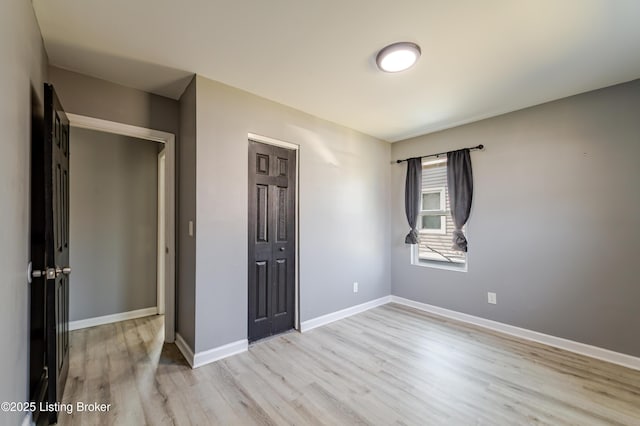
(389, 365)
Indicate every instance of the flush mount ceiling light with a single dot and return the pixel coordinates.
(398, 56)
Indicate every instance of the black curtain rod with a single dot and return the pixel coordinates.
(473, 148)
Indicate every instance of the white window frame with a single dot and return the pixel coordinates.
(443, 212)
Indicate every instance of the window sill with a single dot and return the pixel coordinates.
(458, 267)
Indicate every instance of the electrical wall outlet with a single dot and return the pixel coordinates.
(491, 298)
(355, 287)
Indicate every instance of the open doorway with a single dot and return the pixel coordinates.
(154, 239)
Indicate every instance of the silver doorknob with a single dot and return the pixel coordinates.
(66, 270)
(281, 248)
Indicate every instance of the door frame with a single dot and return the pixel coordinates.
(168, 139)
(161, 263)
(288, 145)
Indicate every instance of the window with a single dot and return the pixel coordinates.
(432, 211)
(435, 223)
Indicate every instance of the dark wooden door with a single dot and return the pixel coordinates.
(271, 239)
(50, 256)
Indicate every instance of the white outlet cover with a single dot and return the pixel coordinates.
(492, 298)
(355, 287)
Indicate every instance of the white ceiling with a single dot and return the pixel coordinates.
(480, 58)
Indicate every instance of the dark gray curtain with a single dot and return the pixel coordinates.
(412, 191)
(460, 184)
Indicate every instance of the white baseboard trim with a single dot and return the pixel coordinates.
(546, 339)
(27, 421)
(186, 351)
(108, 319)
(344, 313)
(212, 355)
(215, 354)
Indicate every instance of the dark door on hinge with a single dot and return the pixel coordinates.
(49, 353)
(271, 240)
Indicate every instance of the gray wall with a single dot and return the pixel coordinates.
(344, 210)
(186, 290)
(555, 221)
(23, 70)
(114, 226)
(93, 97)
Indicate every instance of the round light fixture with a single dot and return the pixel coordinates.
(398, 56)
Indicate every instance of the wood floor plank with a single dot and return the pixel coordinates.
(389, 365)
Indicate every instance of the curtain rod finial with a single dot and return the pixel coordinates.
(480, 146)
